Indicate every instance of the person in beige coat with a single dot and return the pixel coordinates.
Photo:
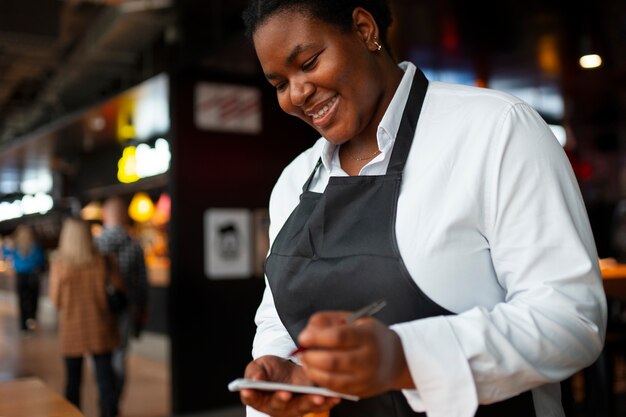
(78, 277)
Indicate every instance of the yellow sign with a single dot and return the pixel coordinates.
(142, 161)
(125, 119)
(127, 166)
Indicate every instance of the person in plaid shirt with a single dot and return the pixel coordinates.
(115, 241)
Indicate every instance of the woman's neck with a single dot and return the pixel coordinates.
(358, 151)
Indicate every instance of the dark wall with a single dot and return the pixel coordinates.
(211, 322)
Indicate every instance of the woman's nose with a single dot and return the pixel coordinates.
(300, 92)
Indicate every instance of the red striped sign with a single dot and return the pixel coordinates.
(227, 108)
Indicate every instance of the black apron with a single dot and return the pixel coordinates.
(338, 251)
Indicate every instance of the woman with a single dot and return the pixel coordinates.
(78, 278)
(28, 261)
(455, 204)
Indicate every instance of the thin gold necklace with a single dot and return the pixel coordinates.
(365, 158)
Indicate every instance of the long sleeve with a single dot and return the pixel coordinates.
(271, 336)
(552, 320)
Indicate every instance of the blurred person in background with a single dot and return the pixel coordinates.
(79, 275)
(456, 204)
(28, 262)
(6, 252)
(115, 241)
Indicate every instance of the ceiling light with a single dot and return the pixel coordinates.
(588, 53)
(590, 61)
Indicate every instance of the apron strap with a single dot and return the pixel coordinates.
(408, 124)
(306, 185)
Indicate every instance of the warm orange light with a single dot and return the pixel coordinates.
(141, 208)
(548, 54)
(92, 211)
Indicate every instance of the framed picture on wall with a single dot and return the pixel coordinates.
(227, 243)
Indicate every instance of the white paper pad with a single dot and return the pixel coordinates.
(242, 383)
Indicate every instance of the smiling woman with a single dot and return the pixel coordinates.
(334, 77)
(443, 200)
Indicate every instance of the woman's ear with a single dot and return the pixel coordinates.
(365, 26)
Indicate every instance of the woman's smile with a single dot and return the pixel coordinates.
(324, 116)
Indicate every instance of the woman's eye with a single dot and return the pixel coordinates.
(308, 65)
(280, 86)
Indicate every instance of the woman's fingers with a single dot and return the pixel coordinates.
(328, 330)
(348, 383)
(255, 371)
(274, 403)
(328, 318)
(363, 358)
(286, 404)
(282, 403)
(339, 361)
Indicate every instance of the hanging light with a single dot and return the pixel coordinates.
(162, 210)
(589, 59)
(141, 207)
(548, 54)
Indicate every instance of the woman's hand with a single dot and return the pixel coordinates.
(282, 403)
(364, 358)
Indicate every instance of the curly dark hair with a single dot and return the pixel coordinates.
(335, 12)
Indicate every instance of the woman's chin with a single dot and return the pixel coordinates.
(333, 136)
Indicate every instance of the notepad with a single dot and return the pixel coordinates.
(242, 383)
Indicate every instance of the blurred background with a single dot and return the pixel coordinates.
(163, 103)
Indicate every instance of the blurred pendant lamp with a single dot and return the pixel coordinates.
(141, 207)
(548, 54)
(162, 210)
(589, 59)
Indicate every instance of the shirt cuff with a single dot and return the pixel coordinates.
(442, 376)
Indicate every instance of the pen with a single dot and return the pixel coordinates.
(367, 311)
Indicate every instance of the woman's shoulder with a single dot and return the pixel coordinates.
(454, 108)
(471, 98)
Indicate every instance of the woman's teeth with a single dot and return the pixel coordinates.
(325, 109)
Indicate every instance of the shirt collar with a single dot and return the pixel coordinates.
(390, 123)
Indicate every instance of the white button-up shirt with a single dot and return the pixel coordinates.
(491, 226)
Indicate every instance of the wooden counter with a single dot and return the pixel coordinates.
(30, 397)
